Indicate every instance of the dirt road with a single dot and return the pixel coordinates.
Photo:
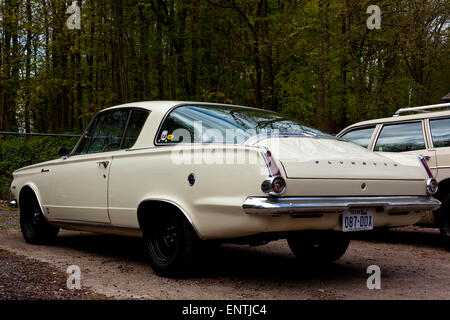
(414, 265)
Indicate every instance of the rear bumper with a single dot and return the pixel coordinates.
(322, 205)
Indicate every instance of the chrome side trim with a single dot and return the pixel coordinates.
(440, 167)
(257, 138)
(320, 205)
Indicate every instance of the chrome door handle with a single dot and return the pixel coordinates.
(427, 158)
(45, 170)
(104, 163)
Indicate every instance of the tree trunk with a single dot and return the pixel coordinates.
(323, 85)
(122, 81)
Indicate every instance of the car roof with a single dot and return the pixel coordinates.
(159, 110)
(411, 117)
(165, 105)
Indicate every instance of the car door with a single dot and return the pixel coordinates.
(440, 139)
(80, 181)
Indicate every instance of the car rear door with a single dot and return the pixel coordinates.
(440, 141)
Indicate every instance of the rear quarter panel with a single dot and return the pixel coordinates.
(213, 204)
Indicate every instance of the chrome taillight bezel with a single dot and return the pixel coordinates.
(269, 186)
(432, 186)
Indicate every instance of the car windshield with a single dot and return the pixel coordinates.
(219, 124)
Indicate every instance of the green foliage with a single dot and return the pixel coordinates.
(18, 152)
(314, 60)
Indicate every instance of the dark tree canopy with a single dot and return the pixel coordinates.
(312, 60)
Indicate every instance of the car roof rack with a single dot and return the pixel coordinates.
(422, 109)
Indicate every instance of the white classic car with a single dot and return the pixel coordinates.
(182, 173)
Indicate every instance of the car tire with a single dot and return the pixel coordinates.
(318, 247)
(443, 217)
(34, 226)
(170, 244)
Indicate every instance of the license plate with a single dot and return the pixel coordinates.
(357, 220)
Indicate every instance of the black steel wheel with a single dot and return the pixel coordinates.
(35, 228)
(170, 243)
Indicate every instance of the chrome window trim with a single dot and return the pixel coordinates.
(382, 125)
(167, 114)
(93, 123)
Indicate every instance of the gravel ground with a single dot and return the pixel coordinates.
(9, 219)
(29, 279)
(414, 264)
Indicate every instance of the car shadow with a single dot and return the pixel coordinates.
(427, 237)
(272, 262)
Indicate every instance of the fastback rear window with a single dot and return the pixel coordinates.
(224, 124)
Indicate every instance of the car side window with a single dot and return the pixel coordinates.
(107, 132)
(84, 145)
(360, 136)
(175, 122)
(401, 137)
(135, 124)
(440, 132)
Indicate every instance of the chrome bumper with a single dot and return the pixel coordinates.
(322, 205)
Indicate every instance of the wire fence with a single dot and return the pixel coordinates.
(5, 133)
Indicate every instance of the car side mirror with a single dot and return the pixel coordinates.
(63, 152)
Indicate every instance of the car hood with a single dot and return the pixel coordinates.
(328, 158)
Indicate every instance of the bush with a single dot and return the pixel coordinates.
(17, 152)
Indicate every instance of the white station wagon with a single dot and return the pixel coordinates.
(182, 173)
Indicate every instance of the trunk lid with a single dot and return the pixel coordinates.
(328, 158)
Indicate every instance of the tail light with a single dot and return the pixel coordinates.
(275, 185)
(432, 184)
(271, 164)
(425, 165)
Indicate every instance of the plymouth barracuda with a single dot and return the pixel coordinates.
(182, 174)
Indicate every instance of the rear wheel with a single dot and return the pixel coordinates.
(318, 247)
(443, 216)
(170, 243)
(35, 228)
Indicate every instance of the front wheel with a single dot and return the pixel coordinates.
(170, 243)
(35, 228)
(318, 247)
